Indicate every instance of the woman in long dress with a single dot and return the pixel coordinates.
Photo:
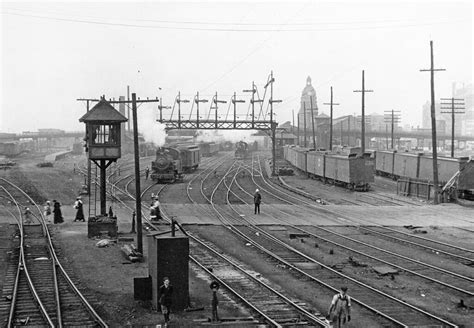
(58, 215)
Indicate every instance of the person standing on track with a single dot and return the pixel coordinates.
(78, 205)
(165, 298)
(340, 309)
(147, 172)
(257, 199)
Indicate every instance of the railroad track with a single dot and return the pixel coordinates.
(392, 309)
(438, 274)
(38, 290)
(272, 306)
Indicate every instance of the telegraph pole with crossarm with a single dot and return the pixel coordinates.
(454, 105)
(362, 145)
(433, 125)
(330, 122)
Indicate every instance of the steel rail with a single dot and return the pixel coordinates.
(272, 254)
(23, 267)
(56, 262)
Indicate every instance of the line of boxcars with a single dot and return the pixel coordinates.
(395, 164)
(357, 172)
(351, 171)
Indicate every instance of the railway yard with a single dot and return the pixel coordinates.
(405, 261)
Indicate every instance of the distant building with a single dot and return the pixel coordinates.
(308, 99)
(464, 123)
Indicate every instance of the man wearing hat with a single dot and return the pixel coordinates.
(155, 213)
(80, 212)
(215, 302)
(340, 309)
(257, 199)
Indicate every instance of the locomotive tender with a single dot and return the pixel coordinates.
(172, 162)
(353, 172)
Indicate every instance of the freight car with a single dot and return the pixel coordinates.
(15, 148)
(241, 150)
(416, 165)
(351, 171)
(226, 146)
(208, 149)
(171, 162)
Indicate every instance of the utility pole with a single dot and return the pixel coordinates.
(293, 120)
(234, 102)
(298, 128)
(89, 162)
(304, 124)
(272, 124)
(138, 199)
(391, 117)
(433, 125)
(128, 107)
(455, 104)
(330, 122)
(363, 112)
(312, 119)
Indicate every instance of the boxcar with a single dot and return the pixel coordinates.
(190, 156)
(208, 149)
(301, 159)
(384, 162)
(406, 164)
(447, 167)
(352, 171)
(315, 164)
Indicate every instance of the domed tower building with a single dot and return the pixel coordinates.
(308, 100)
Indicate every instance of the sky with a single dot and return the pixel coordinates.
(55, 52)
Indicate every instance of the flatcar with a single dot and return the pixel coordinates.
(171, 163)
(351, 171)
(241, 150)
(208, 149)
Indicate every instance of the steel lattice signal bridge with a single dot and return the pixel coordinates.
(213, 120)
(251, 121)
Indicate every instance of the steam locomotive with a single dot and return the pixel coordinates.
(171, 163)
(241, 150)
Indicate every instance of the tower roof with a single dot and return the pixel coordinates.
(308, 89)
(103, 111)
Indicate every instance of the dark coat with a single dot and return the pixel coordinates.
(80, 211)
(58, 216)
(165, 295)
(257, 198)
